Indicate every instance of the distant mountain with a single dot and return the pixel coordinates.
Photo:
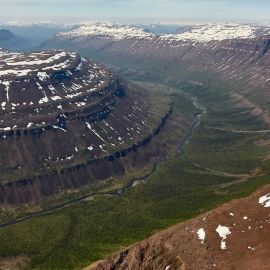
(105, 30)
(239, 52)
(33, 34)
(10, 41)
(6, 35)
(208, 32)
(159, 29)
(197, 33)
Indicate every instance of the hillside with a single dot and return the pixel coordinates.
(233, 236)
(6, 35)
(235, 52)
(10, 41)
(66, 122)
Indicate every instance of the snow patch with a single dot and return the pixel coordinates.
(201, 235)
(42, 76)
(265, 200)
(223, 232)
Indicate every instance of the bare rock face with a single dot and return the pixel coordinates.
(233, 236)
(64, 122)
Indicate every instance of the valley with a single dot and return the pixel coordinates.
(212, 146)
(172, 184)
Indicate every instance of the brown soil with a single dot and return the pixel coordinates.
(247, 245)
(14, 263)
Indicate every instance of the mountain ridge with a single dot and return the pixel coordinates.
(197, 33)
(232, 236)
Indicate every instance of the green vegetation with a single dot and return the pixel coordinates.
(181, 187)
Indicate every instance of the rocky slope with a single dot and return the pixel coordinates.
(237, 52)
(233, 236)
(65, 122)
(6, 35)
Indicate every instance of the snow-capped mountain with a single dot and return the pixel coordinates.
(112, 31)
(237, 51)
(209, 32)
(197, 33)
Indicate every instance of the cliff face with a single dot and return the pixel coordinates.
(233, 236)
(65, 122)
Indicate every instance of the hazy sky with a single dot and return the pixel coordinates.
(70, 11)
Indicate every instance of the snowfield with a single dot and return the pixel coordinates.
(208, 32)
(265, 200)
(196, 33)
(113, 31)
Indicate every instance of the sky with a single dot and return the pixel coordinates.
(77, 11)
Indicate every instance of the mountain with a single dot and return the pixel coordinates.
(6, 35)
(10, 41)
(33, 33)
(208, 32)
(233, 236)
(67, 122)
(235, 52)
(106, 31)
(158, 29)
(198, 33)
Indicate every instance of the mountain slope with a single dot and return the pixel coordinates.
(233, 236)
(237, 52)
(6, 35)
(10, 41)
(33, 34)
(66, 122)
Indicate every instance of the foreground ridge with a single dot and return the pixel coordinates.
(232, 236)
